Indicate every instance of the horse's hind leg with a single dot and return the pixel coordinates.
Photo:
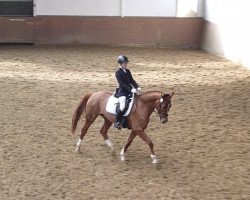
(88, 121)
(104, 131)
(129, 141)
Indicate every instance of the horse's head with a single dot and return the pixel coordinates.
(164, 107)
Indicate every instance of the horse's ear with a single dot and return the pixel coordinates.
(172, 94)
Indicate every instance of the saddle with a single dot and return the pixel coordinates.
(113, 105)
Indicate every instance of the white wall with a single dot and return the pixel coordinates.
(78, 7)
(190, 8)
(228, 31)
(157, 8)
(152, 8)
(145, 8)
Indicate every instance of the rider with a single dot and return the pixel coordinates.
(127, 85)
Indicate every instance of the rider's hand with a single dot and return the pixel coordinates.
(138, 90)
(133, 90)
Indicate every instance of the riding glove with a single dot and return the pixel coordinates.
(133, 90)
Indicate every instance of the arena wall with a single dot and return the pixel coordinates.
(17, 29)
(119, 31)
(227, 30)
(115, 22)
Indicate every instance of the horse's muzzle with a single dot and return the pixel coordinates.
(164, 120)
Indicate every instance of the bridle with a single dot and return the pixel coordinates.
(159, 111)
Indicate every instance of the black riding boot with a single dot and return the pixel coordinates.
(118, 118)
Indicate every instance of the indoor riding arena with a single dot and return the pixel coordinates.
(53, 52)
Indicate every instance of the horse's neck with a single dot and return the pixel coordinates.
(151, 96)
(150, 99)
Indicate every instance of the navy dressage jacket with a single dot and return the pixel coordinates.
(126, 82)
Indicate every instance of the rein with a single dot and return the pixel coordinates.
(158, 111)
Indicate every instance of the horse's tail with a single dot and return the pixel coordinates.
(78, 112)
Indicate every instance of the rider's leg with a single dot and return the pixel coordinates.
(122, 101)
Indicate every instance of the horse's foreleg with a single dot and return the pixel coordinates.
(145, 137)
(104, 131)
(129, 141)
(88, 122)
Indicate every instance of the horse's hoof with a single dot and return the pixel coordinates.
(77, 150)
(155, 161)
(112, 152)
(122, 158)
(112, 149)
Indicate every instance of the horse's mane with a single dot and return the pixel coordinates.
(154, 91)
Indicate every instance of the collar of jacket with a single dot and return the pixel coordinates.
(122, 69)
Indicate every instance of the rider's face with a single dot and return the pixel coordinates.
(124, 65)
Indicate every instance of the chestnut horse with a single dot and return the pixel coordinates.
(144, 104)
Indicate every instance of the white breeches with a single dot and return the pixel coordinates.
(122, 101)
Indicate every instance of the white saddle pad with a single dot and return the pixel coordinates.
(113, 101)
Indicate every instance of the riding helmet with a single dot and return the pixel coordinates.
(121, 59)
